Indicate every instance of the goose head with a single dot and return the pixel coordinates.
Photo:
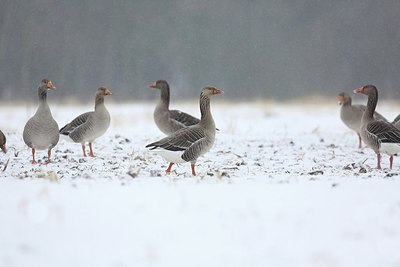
(160, 84)
(209, 91)
(344, 98)
(366, 89)
(103, 91)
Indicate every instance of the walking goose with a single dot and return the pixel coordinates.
(90, 125)
(189, 143)
(169, 121)
(3, 142)
(351, 114)
(41, 131)
(380, 136)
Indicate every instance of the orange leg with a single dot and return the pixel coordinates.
(169, 168)
(391, 161)
(33, 156)
(48, 156)
(84, 150)
(193, 171)
(379, 160)
(91, 150)
(359, 141)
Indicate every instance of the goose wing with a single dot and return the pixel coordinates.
(180, 140)
(396, 120)
(75, 123)
(385, 132)
(183, 117)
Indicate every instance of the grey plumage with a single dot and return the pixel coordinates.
(351, 114)
(3, 141)
(90, 125)
(41, 131)
(189, 143)
(169, 121)
(380, 136)
(396, 122)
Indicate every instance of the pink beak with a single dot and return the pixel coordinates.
(359, 90)
(152, 85)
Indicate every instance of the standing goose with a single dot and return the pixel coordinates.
(169, 121)
(3, 142)
(380, 136)
(189, 143)
(41, 131)
(90, 125)
(351, 114)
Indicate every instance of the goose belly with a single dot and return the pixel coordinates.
(390, 148)
(170, 156)
(43, 142)
(88, 134)
(41, 136)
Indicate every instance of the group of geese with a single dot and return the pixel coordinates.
(371, 127)
(187, 137)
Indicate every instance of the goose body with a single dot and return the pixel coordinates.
(90, 125)
(41, 131)
(169, 121)
(3, 142)
(189, 143)
(380, 136)
(351, 114)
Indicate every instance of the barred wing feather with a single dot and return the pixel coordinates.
(385, 132)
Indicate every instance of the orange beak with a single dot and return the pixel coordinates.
(107, 92)
(50, 85)
(340, 100)
(152, 85)
(218, 92)
(359, 90)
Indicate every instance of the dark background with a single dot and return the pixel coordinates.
(251, 49)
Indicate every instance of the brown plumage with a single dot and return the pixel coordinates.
(3, 141)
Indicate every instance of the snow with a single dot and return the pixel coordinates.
(284, 185)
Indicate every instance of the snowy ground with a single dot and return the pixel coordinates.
(284, 185)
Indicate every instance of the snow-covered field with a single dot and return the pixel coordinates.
(284, 185)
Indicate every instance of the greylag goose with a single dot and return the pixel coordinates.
(351, 114)
(90, 125)
(169, 121)
(189, 143)
(3, 142)
(380, 136)
(41, 131)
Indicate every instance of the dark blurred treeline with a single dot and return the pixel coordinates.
(251, 48)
